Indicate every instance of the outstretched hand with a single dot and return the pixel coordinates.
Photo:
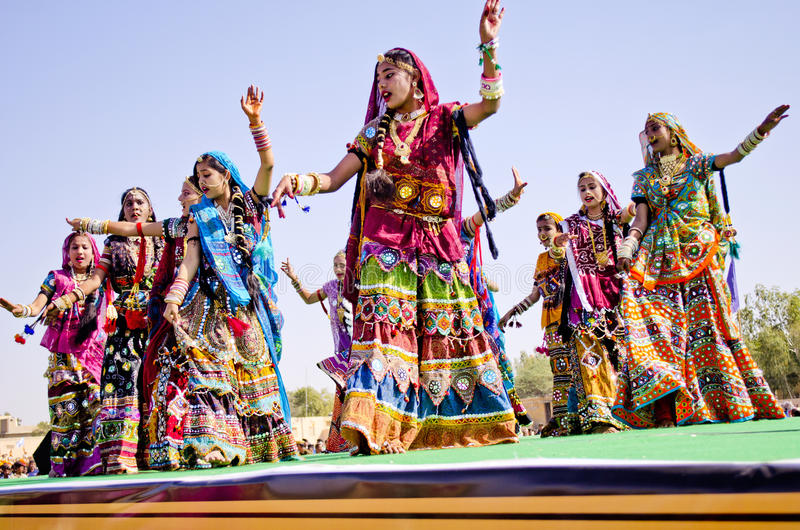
(624, 265)
(74, 223)
(519, 185)
(284, 187)
(252, 103)
(14, 309)
(491, 18)
(773, 119)
(561, 240)
(287, 268)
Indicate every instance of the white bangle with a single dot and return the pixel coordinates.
(628, 248)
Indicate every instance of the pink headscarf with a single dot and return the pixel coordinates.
(65, 250)
(611, 197)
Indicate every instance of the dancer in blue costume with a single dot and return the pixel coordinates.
(226, 322)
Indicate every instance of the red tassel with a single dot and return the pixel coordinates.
(237, 326)
(19, 339)
(135, 319)
(110, 326)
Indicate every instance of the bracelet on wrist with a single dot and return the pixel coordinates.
(491, 88)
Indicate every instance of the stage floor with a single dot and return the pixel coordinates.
(730, 475)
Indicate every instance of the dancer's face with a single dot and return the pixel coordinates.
(394, 85)
(136, 207)
(339, 266)
(546, 229)
(658, 136)
(80, 253)
(591, 192)
(212, 182)
(187, 198)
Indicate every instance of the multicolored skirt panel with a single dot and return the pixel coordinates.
(117, 424)
(565, 420)
(74, 400)
(683, 341)
(422, 369)
(336, 442)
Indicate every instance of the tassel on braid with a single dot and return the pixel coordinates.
(239, 211)
(380, 185)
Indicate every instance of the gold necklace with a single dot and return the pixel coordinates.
(601, 257)
(403, 148)
(667, 169)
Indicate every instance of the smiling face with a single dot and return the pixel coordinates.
(591, 192)
(546, 230)
(339, 266)
(187, 198)
(213, 183)
(658, 137)
(136, 207)
(395, 87)
(81, 255)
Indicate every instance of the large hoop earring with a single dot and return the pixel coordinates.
(673, 141)
(418, 95)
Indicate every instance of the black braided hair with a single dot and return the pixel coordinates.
(379, 183)
(239, 210)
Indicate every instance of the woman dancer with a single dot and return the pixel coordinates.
(129, 264)
(162, 410)
(422, 371)
(334, 366)
(226, 323)
(470, 238)
(75, 339)
(590, 325)
(549, 288)
(686, 361)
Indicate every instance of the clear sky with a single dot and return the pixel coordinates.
(98, 96)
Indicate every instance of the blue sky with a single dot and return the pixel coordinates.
(100, 96)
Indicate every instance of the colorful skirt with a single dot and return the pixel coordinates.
(422, 371)
(117, 425)
(565, 419)
(336, 442)
(683, 341)
(216, 392)
(74, 400)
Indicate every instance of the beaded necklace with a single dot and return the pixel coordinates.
(668, 167)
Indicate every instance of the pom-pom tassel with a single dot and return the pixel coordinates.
(135, 319)
(28, 329)
(19, 339)
(238, 327)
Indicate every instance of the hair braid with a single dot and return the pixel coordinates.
(380, 183)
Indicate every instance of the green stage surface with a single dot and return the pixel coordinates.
(752, 441)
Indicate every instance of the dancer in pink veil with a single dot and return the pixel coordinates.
(422, 373)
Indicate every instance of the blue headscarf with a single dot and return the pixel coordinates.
(233, 275)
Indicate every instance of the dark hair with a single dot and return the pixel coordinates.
(149, 202)
(88, 320)
(194, 180)
(548, 217)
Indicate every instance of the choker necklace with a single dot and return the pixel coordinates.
(600, 216)
(408, 116)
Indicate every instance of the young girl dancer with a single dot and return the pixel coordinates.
(686, 361)
(75, 339)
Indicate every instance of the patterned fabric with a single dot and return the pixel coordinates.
(117, 424)
(422, 368)
(682, 341)
(548, 280)
(336, 443)
(683, 237)
(565, 419)
(335, 366)
(74, 399)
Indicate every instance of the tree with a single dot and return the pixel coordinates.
(41, 428)
(532, 375)
(770, 323)
(308, 401)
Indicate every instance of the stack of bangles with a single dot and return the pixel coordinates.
(79, 294)
(26, 312)
(522, 306)
(305, 184)
(62, 303)
(177, 292)
(629, 247)
(93, 226)
(492, 87)
(297, 286)
(260, 136)
(506, 201)
(750, 143)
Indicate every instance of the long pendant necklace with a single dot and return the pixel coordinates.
(403, 148)
(339, 307)
(667, 168)
(601, 257)
(226, 216)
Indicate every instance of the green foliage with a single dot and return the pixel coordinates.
(41, 428)
(533, 376)
(770, 324)
(320, 402)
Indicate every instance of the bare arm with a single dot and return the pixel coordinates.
(186, 272)
(124, 228)
(521, 307)
(636, 233)
(329, 182)
(17, 309)
(491, 19)
(769, 123)
(251, 105)
(307, 296)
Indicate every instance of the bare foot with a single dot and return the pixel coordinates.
(361, 448)
(665, 424)
(603, 429)
(392, 447)
(52, 474)
(216, 458)
(115, 472)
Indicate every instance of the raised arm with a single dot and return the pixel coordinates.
(308, 297)
(491, 81)
(119, 228)
(186, 273)
(251, 105)
(753, 139)
(502, 204)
